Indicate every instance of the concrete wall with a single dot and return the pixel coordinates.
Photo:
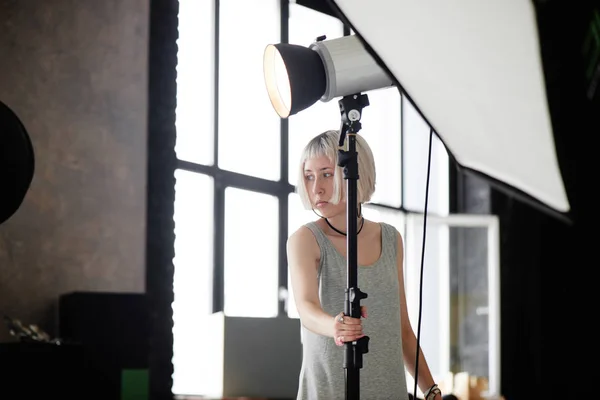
(75, 72)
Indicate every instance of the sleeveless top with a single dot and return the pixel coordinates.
(382, 376)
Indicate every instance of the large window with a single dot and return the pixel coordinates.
(238, 164)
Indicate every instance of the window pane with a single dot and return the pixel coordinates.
(434, 301)
(251, 253)
(195, 82)
(460, 319)
(248, 124)
(469, 292)
(192, 281)
(305, 26)
(416, 146)
(297, 216)
(381, 129)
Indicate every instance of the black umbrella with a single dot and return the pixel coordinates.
(16, 162)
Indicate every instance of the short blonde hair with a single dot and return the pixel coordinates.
(326, 144)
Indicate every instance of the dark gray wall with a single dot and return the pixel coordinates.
(75, 72)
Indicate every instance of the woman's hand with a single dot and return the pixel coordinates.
(348, 329)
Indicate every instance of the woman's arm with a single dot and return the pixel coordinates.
(303, 261)
(409, 340)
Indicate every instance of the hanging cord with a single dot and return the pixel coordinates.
(422, 263)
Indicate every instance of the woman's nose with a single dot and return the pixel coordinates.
(317, 187)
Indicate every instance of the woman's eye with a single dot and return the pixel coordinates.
(308, 177)
(328, 174)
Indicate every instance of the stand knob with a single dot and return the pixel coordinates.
(362, 345)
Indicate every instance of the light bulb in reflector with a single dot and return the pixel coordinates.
(277, 82)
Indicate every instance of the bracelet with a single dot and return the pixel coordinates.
(432, 392)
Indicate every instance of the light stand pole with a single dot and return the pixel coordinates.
(351, 110)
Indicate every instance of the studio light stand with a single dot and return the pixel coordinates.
(351, 110)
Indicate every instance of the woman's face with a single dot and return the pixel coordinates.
(319, 181)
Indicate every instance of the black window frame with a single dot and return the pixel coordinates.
(281, 188)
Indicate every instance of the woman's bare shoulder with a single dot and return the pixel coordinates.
(303, 242)
(302, 236)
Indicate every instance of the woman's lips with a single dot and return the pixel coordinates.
(321, 204)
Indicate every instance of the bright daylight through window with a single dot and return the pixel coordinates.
(249, 130)
(235, 207)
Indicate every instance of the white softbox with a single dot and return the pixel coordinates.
(473, 69)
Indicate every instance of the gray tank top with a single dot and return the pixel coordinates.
(382, 376)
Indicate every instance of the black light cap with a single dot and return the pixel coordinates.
(294, 76)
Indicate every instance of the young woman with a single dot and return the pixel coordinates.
(316, 258)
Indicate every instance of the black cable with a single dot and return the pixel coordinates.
(423, 262)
